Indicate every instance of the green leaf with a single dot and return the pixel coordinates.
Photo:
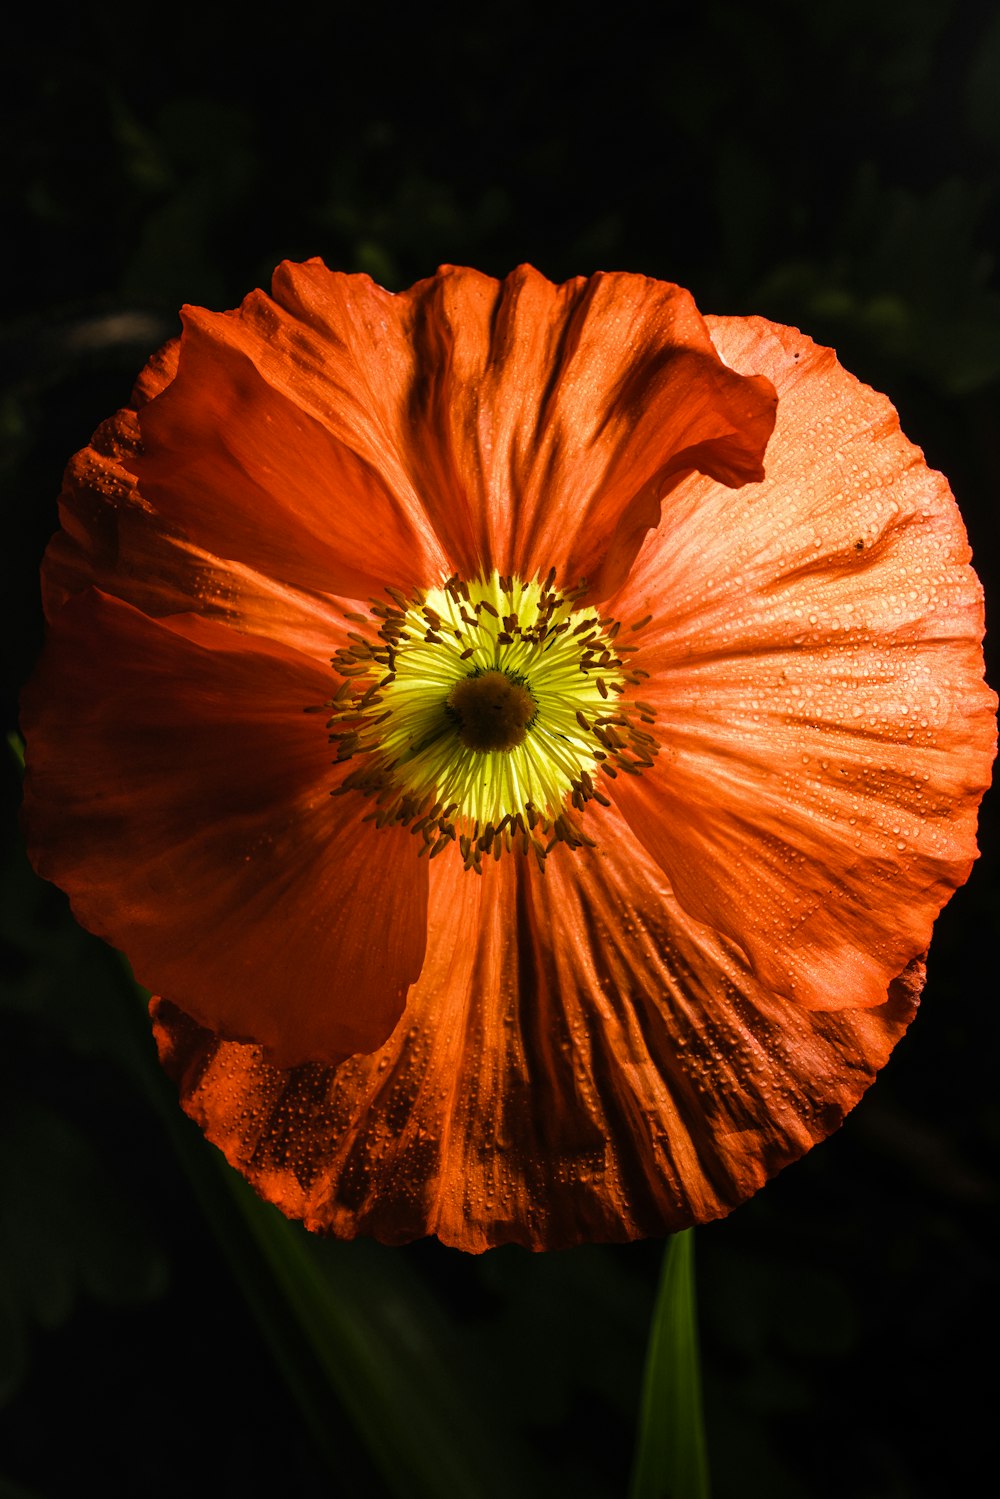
(671, 1460)
(388, 1355)
(351, 1327)
(16, 746)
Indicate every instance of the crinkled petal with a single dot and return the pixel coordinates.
(342, 437)
(816, 671)
(579, 1060)
(237, 456)
(542, 424)
(185, 807)
(113, 539)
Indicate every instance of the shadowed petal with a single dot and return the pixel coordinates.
(185, 808)
(816, 671)
(579, 1060)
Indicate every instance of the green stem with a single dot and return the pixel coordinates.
(671, 1460)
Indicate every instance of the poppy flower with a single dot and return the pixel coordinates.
(524, 732)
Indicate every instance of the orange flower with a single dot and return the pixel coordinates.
(696, 814)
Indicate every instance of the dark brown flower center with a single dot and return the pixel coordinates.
(493, 711)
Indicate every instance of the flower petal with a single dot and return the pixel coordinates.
(579, 1060)
(244, 452)
(816, 670)
(558, 416)
(345, 438)
(186, 810)
(114, 540)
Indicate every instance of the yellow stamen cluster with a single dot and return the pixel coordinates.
(482, 712)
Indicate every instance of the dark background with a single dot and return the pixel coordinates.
(830, 166)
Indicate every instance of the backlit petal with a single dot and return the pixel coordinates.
(579, 1060)
(816, 671)
(113, 539)
(186, 810)
(342, 438)
(245, 453)
(559, 415)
